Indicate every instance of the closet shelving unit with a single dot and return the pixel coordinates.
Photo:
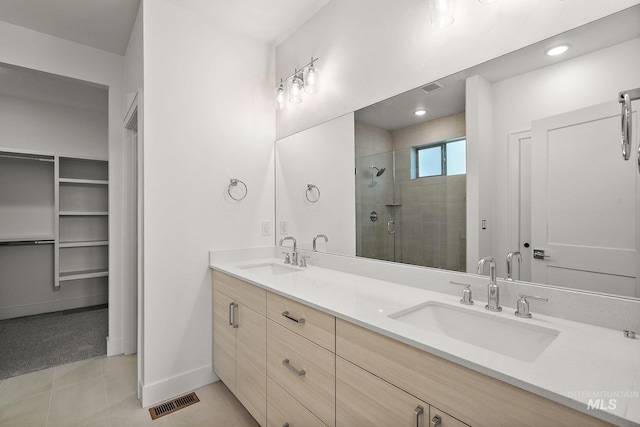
(83, 217)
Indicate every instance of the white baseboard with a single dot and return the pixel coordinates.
(51, 306)
(177, 385)
(115, 346)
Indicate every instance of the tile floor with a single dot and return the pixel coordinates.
(101, 392)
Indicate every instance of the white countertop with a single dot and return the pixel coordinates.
(584, 362)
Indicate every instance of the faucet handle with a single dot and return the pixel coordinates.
(302, 262)
(287, 258)
(522, 306)
(467, 298)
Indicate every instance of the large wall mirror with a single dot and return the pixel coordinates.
(516, 154)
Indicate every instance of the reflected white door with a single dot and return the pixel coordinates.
(585, 202)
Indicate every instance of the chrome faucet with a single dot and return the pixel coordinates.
(326, 239)
(510, 256)
(294, 255)
(493, 292)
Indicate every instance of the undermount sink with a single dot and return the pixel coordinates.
(270, 268)
(505, 336)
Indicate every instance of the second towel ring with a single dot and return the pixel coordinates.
(233, 182)
(310, 188)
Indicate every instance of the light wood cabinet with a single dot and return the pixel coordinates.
(239, 341)
(283, 409)
(306, 321)
(465, 394)
(302, 368)
(285, 371)
(362, 399)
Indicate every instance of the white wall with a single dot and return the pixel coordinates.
(570, 85)
(370, 50)
(323, 156)
(52, 128)
(30, 49)
(208, 117)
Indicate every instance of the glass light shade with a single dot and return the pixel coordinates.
(311, 76)
(280, 97)
(295, 90)
(442, 12)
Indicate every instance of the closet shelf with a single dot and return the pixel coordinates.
(83, 213)
(83, 181)
(81, 244)
(83, 274)
(9, 239)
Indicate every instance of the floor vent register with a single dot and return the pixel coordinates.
(173, 405)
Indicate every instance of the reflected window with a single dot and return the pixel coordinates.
(441, 158)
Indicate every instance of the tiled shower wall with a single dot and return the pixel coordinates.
(429, 213)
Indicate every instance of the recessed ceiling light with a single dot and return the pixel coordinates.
(558, 50)
(420, 112)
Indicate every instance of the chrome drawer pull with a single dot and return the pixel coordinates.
(232, 314)
(417, 412)
(436, 421)
(299, 373)
(286, 314)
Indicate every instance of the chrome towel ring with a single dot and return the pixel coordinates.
(310, 192)
(234, 182)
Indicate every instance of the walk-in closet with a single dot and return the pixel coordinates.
(54, 220)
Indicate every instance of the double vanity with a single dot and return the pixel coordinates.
(331, 344)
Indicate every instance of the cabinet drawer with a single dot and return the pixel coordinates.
(315, 388)
(283, 409)
(241, 291)
(362, 399)
(317, 326)
(445, 419)
(466, 394)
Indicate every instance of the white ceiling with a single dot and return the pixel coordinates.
(397, 112)
(107, 24)
(270, 21)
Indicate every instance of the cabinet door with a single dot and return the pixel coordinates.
(224, 341)
(251, 362)
(362, 399)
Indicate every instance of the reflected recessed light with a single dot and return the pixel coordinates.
(558, 50)
(420, 112)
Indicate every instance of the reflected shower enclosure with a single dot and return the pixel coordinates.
(400, 216)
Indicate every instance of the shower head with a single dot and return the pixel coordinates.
(380, 171)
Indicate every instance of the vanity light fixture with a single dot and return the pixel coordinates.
(281, 96)
(303, 79)
(295, 88)
(420, 112)
(558, 50)
(442, 12)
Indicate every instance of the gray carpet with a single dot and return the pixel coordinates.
(32, 343)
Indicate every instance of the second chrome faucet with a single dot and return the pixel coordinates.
(493, 292)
